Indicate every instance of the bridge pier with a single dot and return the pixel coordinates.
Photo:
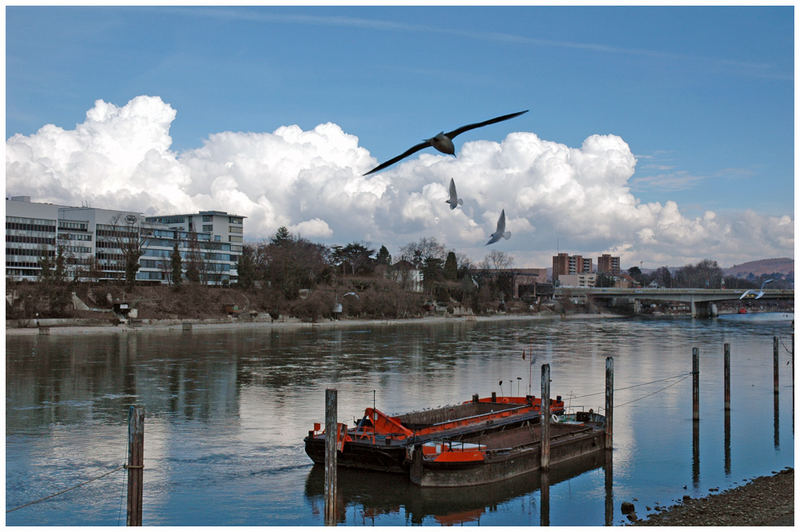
(704, 309)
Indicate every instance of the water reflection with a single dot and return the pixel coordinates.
(366, 494)
(776, 432)
(727, 443)
(609, 486)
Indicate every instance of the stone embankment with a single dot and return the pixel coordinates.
(765, 501)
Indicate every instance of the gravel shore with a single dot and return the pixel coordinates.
(764, 501)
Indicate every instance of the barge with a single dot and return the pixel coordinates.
(381, 442)
(502, 455)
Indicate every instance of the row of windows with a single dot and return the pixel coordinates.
(185, 254)
(31, 227)
(70, 224)
(234, 229)
(233, 238)
(31, 239)
(75, 236)
(76, 249)
(116, 233)
(166, 219)
(18, 264)
(21, 252)
(235, 220)
(34, 221)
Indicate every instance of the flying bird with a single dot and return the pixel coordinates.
(454, 200)
(752, 293)
(501, 229)
(444, 141)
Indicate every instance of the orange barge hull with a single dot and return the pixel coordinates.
(380, 442)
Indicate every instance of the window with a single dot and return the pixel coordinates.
(234, 229)
(207, 218)
(233, 238)
(208, 228)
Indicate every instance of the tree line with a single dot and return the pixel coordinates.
(704, 274)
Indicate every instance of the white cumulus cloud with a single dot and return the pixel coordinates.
(578, 199)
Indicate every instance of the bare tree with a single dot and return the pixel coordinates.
(418, 253)
(496, 260)
(129, 240)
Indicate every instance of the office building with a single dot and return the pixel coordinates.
(93, 242)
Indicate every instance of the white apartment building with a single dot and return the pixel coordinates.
(91, 241)
(582, 280)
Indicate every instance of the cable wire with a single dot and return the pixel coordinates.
(655, 392)
(684, 375)
(66, 490)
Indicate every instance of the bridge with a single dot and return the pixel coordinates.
(701, 300)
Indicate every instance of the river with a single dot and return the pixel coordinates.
(227, 410)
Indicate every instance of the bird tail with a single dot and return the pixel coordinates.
(507, 235)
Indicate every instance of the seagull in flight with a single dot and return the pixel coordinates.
(752, 291)
(444, 141)
(454, 200)
(501, 229)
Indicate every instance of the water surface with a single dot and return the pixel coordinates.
(227, 411)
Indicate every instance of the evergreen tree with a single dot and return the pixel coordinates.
(383, 257)
(282, 236)
(246, 267)
(451, 267)
(177, 266)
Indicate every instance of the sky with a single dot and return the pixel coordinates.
(663, 135)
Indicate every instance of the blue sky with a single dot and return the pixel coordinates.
(702, 97)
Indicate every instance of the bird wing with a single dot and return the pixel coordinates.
(453, 195)
(413, 149)
(501, 223)
(462, 129)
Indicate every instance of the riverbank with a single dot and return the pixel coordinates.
(64, 326)
(764, 501)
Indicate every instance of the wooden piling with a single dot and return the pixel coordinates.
(727, 376)
(331, 414)
(135, 464)
(775, 373)
(545, 417)
(695, 384)
(609, 402)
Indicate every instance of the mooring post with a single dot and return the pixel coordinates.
(727, 375)
(609, 402)
(695, 384)
(330, 455)
(135, 464)
(545, 416)
(775, 373)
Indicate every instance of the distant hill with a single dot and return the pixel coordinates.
(783, 266)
